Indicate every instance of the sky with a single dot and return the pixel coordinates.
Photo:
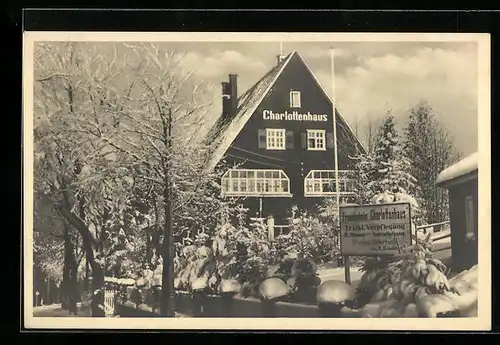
(369, 77)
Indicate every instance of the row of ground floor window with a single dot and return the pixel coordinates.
(276, 183)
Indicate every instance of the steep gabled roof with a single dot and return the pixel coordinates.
(344, 126)
(226, 130)
(249, 100)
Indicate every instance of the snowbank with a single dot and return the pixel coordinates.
(463, 167)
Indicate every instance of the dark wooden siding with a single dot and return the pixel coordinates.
(296, 161)
(464, 252)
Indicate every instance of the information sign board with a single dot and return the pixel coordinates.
(381, 229)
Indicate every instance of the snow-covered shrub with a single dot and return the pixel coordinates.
(309, 238)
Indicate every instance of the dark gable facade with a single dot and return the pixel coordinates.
(279, 134)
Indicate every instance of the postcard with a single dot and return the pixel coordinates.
(253, 181)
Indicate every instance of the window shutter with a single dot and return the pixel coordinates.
(262, 138)
(303, 137)
(329, 140)
(289, 139)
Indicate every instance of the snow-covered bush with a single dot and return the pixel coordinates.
(309, 238)
(245, 252)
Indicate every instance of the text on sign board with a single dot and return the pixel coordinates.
(375, 229)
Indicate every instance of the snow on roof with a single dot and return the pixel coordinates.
(465, 166)
(226, 130)
(247, 103)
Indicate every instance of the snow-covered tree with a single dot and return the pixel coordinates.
(56, 248)
(431, 149)
(118, 155)
(387, 170)
(158, 127)
(363, 173)
(76, 168)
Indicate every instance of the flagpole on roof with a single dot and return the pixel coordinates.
(337, 194)
(347, 269)
(281, 48)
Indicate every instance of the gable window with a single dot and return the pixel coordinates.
(322, 183)
(255, 182)
(275, 139)
(316, 139)
(294, 99)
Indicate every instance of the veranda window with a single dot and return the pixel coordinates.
(322, 183)
(255, 182)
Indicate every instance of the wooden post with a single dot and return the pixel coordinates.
(347, 269)
(49, 290)
(270, 228)
(86, 281)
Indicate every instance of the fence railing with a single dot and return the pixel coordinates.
(280, 229)
(436, 227)
(113, 289)
(436, 233)
(109, 303)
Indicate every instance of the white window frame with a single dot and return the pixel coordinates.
(275, 139)
(313, 134)
(255, 183)
(315, 181)
(297, 94)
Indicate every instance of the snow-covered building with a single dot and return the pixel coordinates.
(461, 180)
(279, 134)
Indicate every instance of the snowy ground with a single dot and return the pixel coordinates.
(55, 310)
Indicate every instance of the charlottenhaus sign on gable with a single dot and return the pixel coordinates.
(293, 116)
(381, 229)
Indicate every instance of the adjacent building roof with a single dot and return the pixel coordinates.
(226, 130)
(466, 167)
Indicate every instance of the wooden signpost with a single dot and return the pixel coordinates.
(373, 230)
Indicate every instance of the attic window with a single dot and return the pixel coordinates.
(294, 99)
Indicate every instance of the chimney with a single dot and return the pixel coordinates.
(229, 96)
(233, 84)
(280, 58)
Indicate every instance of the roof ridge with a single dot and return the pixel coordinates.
(267, 74)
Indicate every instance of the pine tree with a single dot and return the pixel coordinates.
(431, 150)
(392, 168)
(387, 171)
(362, 174)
